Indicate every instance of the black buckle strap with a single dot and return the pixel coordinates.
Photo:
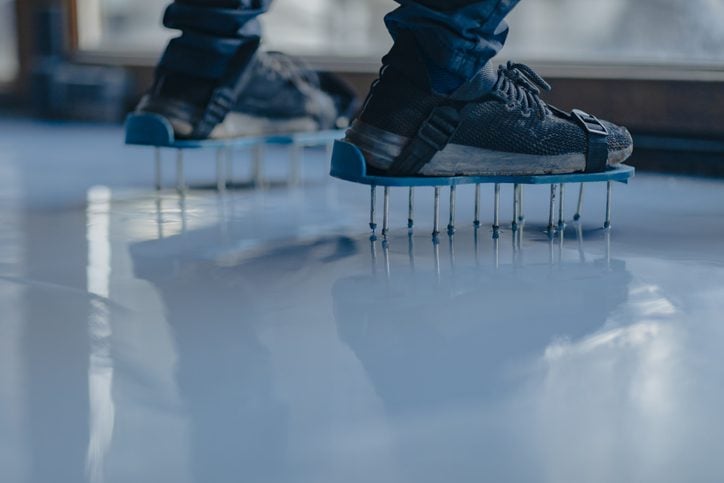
(230, 86)
(432, 137)
(597, 134)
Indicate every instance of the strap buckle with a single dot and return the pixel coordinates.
(590, 123)
(440, 127)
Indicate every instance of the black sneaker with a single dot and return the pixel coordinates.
(406, 130)
(279, 95)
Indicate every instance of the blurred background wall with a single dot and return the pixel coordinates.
(632, 31)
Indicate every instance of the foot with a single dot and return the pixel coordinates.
(280, 95)
(495, 125)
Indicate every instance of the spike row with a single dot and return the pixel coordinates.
(556, 221)
(224, 167)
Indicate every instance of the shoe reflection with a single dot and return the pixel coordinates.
(433, 326)
(444, 327)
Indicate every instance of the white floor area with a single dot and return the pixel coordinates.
(260, 336)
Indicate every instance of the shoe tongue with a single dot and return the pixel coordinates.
(481, 84)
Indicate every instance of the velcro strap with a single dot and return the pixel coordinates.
(432, 137)
(597, 134)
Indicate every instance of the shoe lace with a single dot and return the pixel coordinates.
(520, 86)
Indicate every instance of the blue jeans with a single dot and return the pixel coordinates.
(454, 37)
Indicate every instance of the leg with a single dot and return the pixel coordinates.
(201, 70)
(433, 93)
(218, 37)
(213, 69)
(456, 38)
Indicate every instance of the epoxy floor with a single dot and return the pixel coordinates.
(260, 336)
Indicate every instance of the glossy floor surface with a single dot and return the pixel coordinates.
(260, 336)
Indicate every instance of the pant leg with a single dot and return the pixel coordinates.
(456, 38)
(213, 32)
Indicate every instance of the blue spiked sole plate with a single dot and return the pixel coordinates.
(155, 130)
(348, 163)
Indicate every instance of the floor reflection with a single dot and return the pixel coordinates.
(431, 336)
(261, 336)
(238, 425)
(438, 329)
(100, 364)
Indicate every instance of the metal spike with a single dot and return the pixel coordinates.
(158, 172)
(516, 206)
(476, 223)
(411, 208)
(561, 202)
(436, 214)
(295, 169)
(180, 178)
(496, 212)
(609, 196)
(551, 226)
(521, 215)
(220, 174)
(386, 213)
(373, 207)
(579, 207)
(451, 223)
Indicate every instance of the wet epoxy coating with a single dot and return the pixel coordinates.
(260, 336)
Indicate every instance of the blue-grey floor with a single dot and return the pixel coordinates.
(259, 336)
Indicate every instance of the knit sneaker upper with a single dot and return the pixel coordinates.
(279, 91)
(509, 118)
